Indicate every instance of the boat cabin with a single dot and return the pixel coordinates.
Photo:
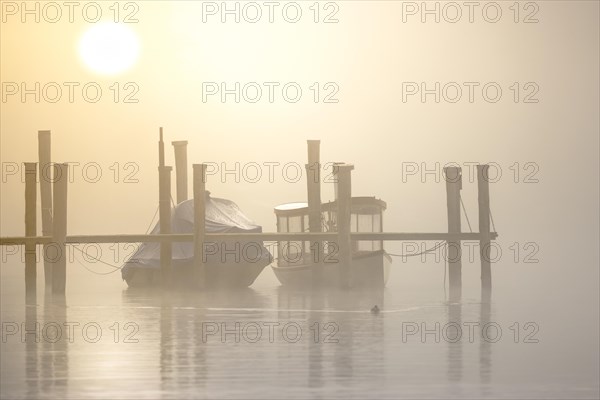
(366, 216)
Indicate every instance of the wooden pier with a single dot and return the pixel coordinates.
(54, 220)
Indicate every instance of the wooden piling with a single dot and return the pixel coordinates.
(30, 228)
(313, 169)
(335, 167)
(453, 176)
(313, 180)
(199, 171)
(483, 197)
(161, 148)
(181, 172)
(344, 190)
(59, 228)
(164, 204)
(45, 173)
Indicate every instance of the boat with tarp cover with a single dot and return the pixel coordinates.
(224, 266)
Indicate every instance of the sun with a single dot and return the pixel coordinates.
(108, 48)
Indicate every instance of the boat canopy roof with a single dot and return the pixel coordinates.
(291, 206)
(360, 205)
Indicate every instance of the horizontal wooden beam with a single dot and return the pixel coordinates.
(20, 240)
(272, 236)
(423, 236)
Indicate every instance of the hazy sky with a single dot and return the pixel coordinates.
(545, 142)
(385, 87)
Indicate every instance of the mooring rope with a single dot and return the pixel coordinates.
(152, 221)
(437, 246)
(116, 268)
(465, 212)
(469, 222)
(492, 219)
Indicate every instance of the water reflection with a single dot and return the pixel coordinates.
(185, 355)
(343, 334)
(485, 350)
(46, 347)
(343, 347)
(32, 367)
(315, 349)
(455, 349)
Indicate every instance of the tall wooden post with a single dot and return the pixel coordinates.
(199, 171)
(164, 211)
(181, 172)
(164, 204)
(45, 172)
(313, 169)
(30, 228)
(335, 167)
(59, 228)
(483, 197)
(313, 180)
(453, 177)
(344, 185)
(161, 149)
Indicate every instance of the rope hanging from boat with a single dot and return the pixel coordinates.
(115, 267)
(152, 221)
(437, 246)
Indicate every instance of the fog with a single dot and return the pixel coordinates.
(383, 86)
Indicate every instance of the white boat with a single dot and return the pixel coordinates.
(222, 267)
(300, 264)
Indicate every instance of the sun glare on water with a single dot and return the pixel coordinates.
(108, 48)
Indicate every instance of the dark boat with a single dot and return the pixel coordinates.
(297, 262)
(227, 263)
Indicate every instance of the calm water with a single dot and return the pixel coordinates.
(143, 344)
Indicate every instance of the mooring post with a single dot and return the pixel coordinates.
(181, 172)
(161, 148)
(334, 167)
(164, 204)
(30, 228)
(313, 180)
(59, 228)
(453, 177)
(199, 171)
(45, 173)
(483, 197)
(344, 185)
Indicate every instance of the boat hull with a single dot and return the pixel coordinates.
(190, 275)
(370, 270)
(227, 263)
